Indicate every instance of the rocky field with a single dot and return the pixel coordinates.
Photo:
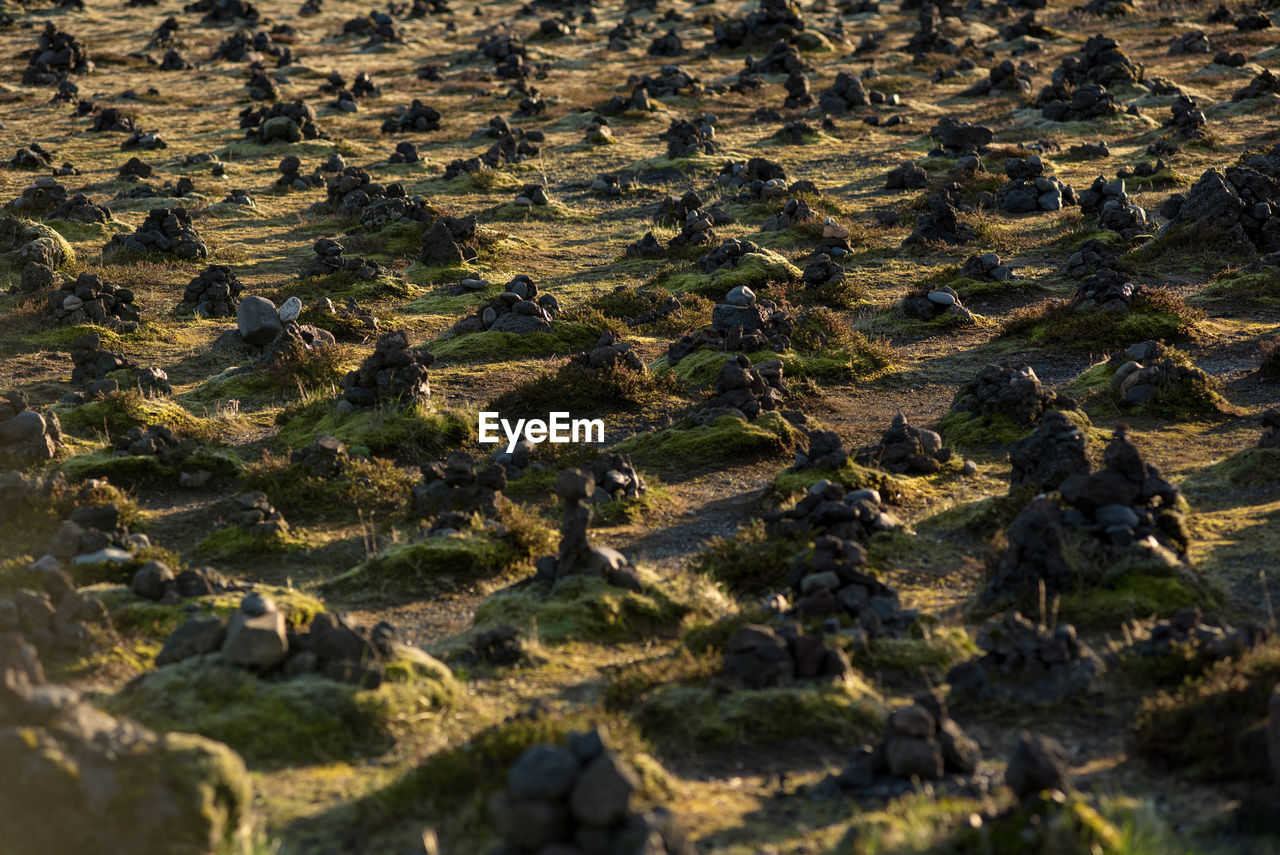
(935, 501)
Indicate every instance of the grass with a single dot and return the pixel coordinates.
(137, 470)
(118, 411)
(586, 391)
(566, 337)
(233, 542)
(750, 562)
(371, 485)
(754, 270)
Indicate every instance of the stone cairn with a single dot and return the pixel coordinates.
(921, 743)
(829, 509)
(759, 657)
(500, 645)
(92, 361)
(156, 581)
(746, 390)
(609, 352)
(1114, 209)
(825, 451)
(1029, 189)
(393, 372)
(932, 302)
(58, 620)
(1026, 663)
(1145, 373)
(828, 585)
(166, 231)
(986, 268)
(578, 798)
(252, 512)
(57, 54)
(577, 557)
(908, 175)
(93, 534)
(1054, 452)
(940, 221)
(285, 121)
(90, 299)
(329, 259)
(1187, 633)
(26, 436)
(740, 323)
(213, 293)
(1270, 429)
(518, 309)
(1242, 202)
(256, 637)
(455, 485)
(616, 479)
(1013, 392)
(906, 449)
(46, 197)
(450, 240)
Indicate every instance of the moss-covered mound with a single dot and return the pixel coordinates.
(132, 470)
(728, 438)
(1192, 396)
(451, 561)
(1256, 288)
(579, 608)
(566, 337)
(118, 411)
(586, 391)
(974, 431)
(754, 270)
(698, 718)
(394, 429)
(306, 719)
(23, 241)
(1154, 315)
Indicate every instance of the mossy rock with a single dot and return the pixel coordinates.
(753, 270)
(180, 794)
(414, 429)
(728, 438)
(790, 484)
(698, 718)
(1254, 289)
(1193, 728)
(1190, 400)
(144, 621)
(16, 238)
(580, 608)
(308, 719)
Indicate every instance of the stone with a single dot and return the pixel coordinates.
(543, 772)
(291, 309)
(151, 580)
(257, 320)
(914, 758)
(1037, 763)
(193, 637)
(602, 794)
(257, 641)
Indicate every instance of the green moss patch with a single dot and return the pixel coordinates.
(586, 391)
(232, 542)
(931, 653)
(789, 484)
(439, 563)
(1249, 467)
(970, 430)
(630, 302)
(133, 470)
(726, 438)
(1255, 289)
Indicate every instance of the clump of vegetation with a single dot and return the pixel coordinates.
(566, 337)
(629, 303)
(1154, 315)
(116, 412)
(133, 470)
(446, 562)
(750, 562)
(1207, 714)
(755, 270)
(1193, 396)
(1260, 288)
(585, 391)
(231, 542)
(372, 485)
